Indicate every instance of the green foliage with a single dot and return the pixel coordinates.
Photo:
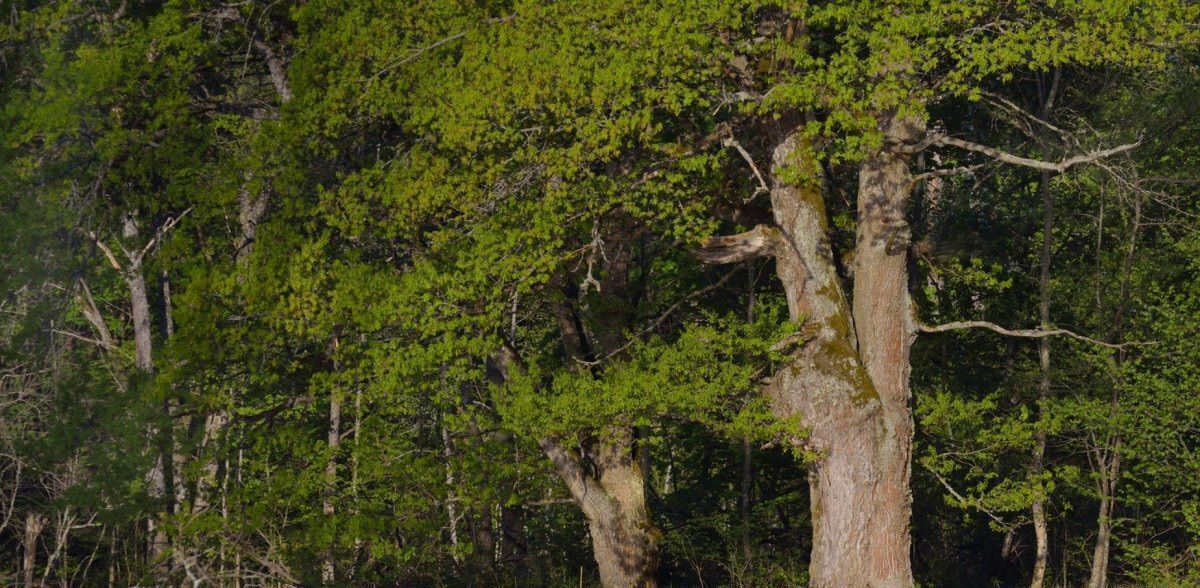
(437, 181)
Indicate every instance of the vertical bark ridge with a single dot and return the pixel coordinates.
(885, 332)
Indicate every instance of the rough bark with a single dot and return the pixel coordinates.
(848, 383)
(624, 541)
(884, 324)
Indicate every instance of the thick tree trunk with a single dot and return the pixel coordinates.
(850, 385)
(848, 381)
(883, 318)
(624, 540)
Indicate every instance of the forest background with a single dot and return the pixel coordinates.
(680, 293)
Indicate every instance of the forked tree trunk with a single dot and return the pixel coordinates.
(848, 382)
(624, 541)
(611, 493)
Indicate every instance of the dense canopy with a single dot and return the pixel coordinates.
(600, 292)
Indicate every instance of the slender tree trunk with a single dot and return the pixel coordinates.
(112, 560)
(1111, 466)
(451, 498)
(144, 362)
(747, 449)
(1099, 572)
(1040, 532)
(177, 489)
(328, 573)
(358, 542)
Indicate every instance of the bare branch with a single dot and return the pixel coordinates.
(941, 173)
(1012, 108)
(112, 259)
(762, 184)
(162, 231)
(92, 313)
(100, 344)
(962, 499)
(1029, 333)
(276, 67)
(755, 243)
(1012, 159)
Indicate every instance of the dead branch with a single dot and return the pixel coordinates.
(112, 259)
(162, 232)
(92, 313)
(755, 243)
(762, 184)
(941, 173)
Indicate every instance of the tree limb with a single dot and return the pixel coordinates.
(762, 184)
(1030, 333)
(963, 500)
(95, 342)
(1012, 159)
(941, 173)
(277, 69)
(587, 493)
(112, 259)
(755, 243)
(92, 313)
(158, 235)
